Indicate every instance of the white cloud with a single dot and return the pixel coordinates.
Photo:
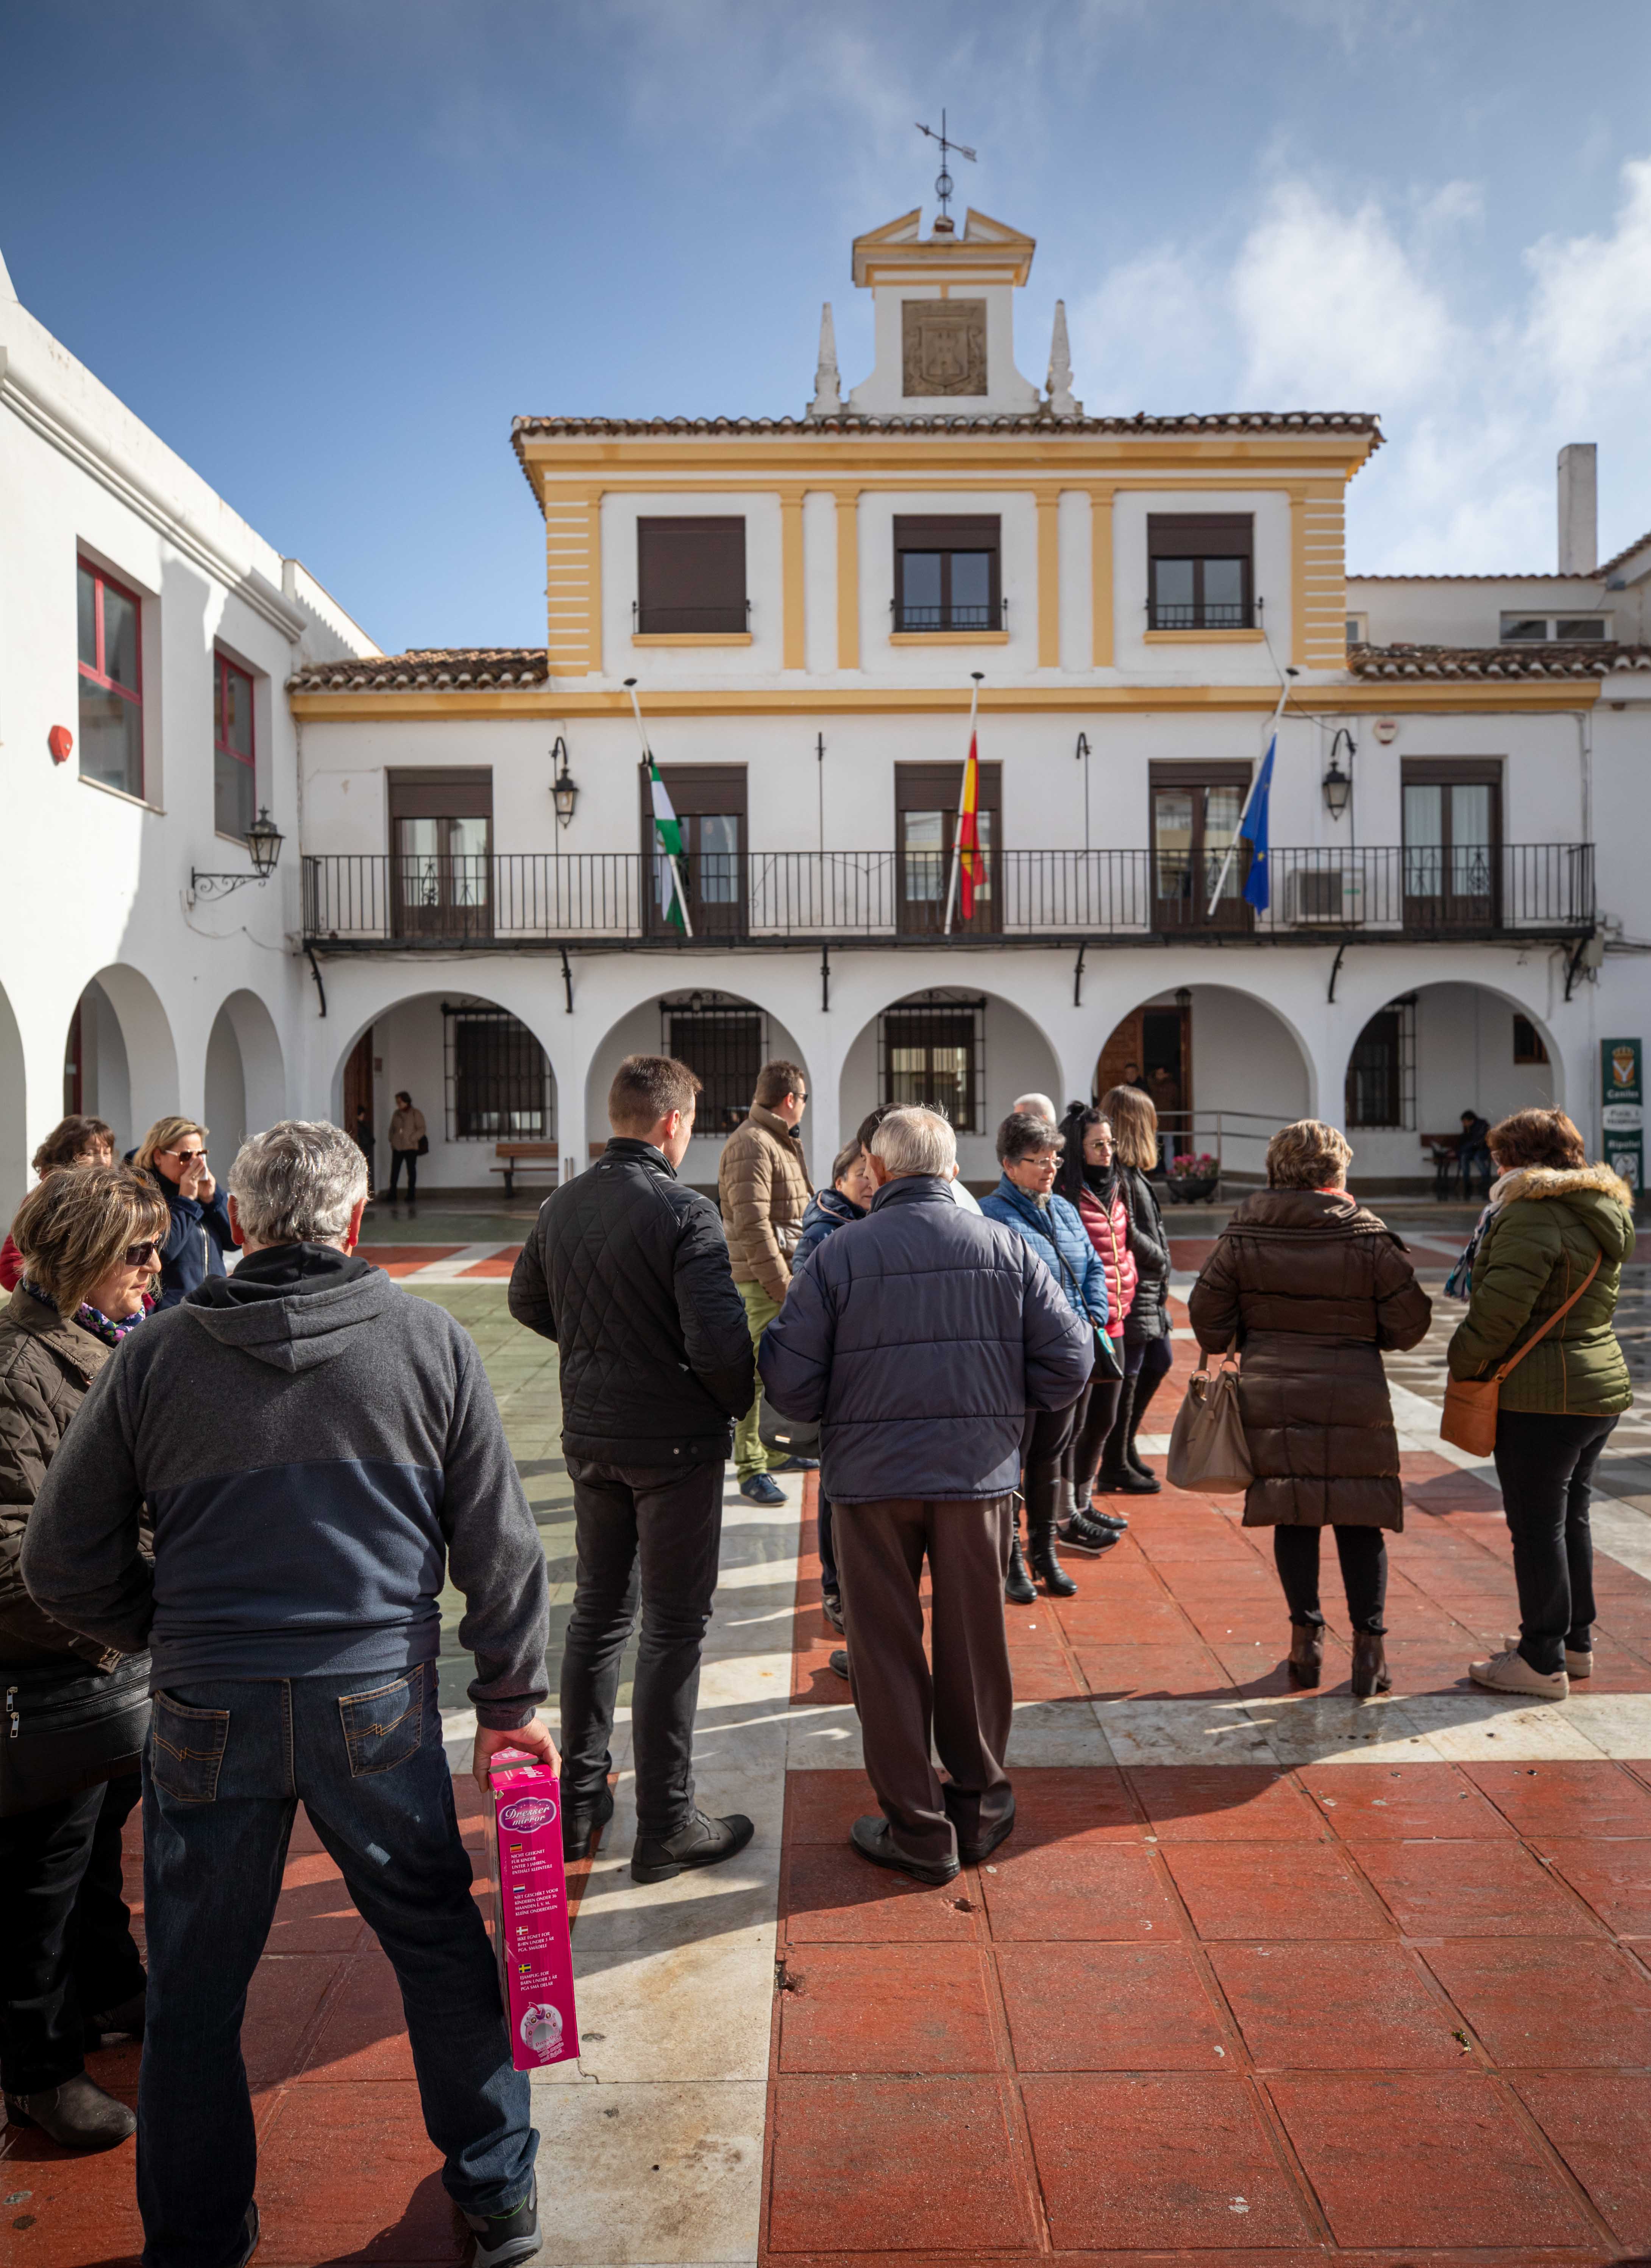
(1590, 318)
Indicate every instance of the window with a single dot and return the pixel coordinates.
(110, 681)
(933, 1052)
(690, 577)
(1199, 570)
(947, 574)
(926, 797)
(234, 771)
(709, 800)
(441, 866)
(1195, 811)
(1452, 842)
(1529, 1045)
(499, 1086)
(1358, 630)
(725, 1047)
(1381, 1070)
(1553, 630)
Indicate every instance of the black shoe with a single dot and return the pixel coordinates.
(78, 2115)
(759, 1489)
(831, 1606)
(1088, 1535)
(840, 1659)
(581, 1822)
(126, 2017)
(1047, 1567)
(872, 1838)
(1017, 1586)
(973, 1854)
(797, 1465)
(504, 2238)
(1115, 1520)
(1130, 1483)
(1136, 1463)
(699, 1842)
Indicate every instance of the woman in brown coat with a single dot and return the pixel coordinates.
(1312, 1288)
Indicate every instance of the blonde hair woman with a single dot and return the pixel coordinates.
(1312, 1288)
(91, 1241)
(1147, 1343)
(174, 1151)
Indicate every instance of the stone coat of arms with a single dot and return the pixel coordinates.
(944, 344)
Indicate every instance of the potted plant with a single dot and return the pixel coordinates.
(1192, 1180)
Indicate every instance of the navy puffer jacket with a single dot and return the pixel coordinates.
(919, 1337)
(1051, 1229)
(196, 1240)
(829, 1208)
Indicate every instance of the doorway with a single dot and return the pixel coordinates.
(1157, 1041)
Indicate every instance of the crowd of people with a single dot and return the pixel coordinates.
(238, 1466)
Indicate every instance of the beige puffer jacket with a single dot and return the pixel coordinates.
(762, 1186)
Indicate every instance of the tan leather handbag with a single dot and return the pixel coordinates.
(1207, 1449)
(1468, 1420)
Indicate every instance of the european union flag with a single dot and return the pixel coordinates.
(1253, 830)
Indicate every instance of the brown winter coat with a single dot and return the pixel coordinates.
(46, 1365)
(762, 1186)
(1313, 1287)
(407, 1128)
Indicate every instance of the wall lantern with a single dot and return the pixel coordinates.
(1338, 784)
(563, 788)
(264, 847)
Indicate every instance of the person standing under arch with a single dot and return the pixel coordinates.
(408, 1143)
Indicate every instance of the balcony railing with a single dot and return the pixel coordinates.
(1380, 892)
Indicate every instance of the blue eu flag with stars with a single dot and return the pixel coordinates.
(1253, 830)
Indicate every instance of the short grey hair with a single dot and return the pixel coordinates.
(1036, 1106)
(297, 1183)
(915, 1141)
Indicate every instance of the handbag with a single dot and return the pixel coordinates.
(1468, 1420)
(1207, 1449)
(64, 1732)
(424, 1146)
(794, 1436)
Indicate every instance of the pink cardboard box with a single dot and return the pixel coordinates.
(530, 1912)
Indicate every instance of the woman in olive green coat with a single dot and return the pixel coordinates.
(1550, 1218)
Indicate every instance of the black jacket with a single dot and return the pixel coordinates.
(629, 1272)
(1148, 1317)
(919, 1337)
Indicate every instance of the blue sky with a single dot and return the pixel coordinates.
(328, 248)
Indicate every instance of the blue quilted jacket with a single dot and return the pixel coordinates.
(1050, 1229)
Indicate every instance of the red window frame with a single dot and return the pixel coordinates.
(101, 580)
(223, 669)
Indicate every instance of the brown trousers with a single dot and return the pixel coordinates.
(967, 1705)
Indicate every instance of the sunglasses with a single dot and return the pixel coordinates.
(143, 1255)
(184, 1156)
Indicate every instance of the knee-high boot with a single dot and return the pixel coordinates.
(1044, 1494)
(1017, 1586)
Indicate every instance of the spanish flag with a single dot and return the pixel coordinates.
(971, 860)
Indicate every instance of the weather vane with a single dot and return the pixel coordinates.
(943, 179)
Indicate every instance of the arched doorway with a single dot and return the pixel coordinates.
(1426, 1056)
(1223, 1067)
(961, 1051)
(120, 1063)
(480, 1076)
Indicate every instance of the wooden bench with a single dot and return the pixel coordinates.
(524, 1158)
(1445, 1150)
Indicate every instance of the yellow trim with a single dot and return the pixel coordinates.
(1048, 499)
(593, 512)
(1203, 637)
(949, 637)
(1388, 698)
(690, 638)
(848, 522)
(794, 650)
(1298, 578)
(1101, 574)
(1308, 453)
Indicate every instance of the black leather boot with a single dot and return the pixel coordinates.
(78, 2115)
(1116, 1477)
(1017, 1586)
(1043, 1501)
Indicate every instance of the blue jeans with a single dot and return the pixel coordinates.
(225, 1767)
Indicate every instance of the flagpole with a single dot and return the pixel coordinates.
(957, 830)
(1227, 863)
(659, 852)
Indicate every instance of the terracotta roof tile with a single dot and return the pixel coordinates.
(438, 668)
(1408, 663)
(1248, 420)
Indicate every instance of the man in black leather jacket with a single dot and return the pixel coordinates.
(628, 1270)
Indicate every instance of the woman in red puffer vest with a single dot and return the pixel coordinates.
(1088, 1180)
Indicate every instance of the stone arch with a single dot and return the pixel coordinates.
(1239, 1068)
(246, 1073)
(127, 1065)
(1015, 1054)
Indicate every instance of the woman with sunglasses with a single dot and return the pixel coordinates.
(76, 1714)
(174, 1152)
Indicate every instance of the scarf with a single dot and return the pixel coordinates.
(1459, 1283)
(110, 1328)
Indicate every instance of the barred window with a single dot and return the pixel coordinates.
(499, 1085)
(1381, 1070)
(934, 1053)
(725, 1048)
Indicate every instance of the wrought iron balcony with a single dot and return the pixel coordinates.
(1530, 891)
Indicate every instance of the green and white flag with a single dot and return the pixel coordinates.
(667, 831)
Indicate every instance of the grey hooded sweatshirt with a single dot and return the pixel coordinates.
(318, 1450)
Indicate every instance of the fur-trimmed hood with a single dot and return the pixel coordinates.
(1594, 1193)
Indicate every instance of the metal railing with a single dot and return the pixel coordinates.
(541, 896)
(989, 615)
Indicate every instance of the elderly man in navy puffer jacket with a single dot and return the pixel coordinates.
(919, 1337)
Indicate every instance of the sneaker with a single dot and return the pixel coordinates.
(840, 1659)
(797, 1465)
(1087, 1535)
(832, 1605)
(503, 2238)
(1509, 1672)
(1579, 1664)
(759, 1489)
(700, 1842)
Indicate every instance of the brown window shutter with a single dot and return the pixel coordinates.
(687, 570)
(1201, 535)
(442, 794)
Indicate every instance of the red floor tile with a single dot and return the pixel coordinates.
(364, 2033)
(915, 2008)
(1549, 1801)
(1111, 2007)
(821, 1807)
(833, 1897)
(62, 2210)
(1075, 1891)
(1073, 1803)
(1120, 1672)
(1598, 2123)
(1164, 2160)
(1471, 1889)
(1335, 2008)
(1402, 1803)
(1125, 1622)
(347, 2173)
(1555, 2004)
(1423, 2158)
(1615, 1878)
(282, 2003)
(895, 2165)
(1268, 1891)
(1210, 1803)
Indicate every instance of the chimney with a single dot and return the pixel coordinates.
(1578, 508)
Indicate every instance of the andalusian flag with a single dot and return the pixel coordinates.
(667, 833)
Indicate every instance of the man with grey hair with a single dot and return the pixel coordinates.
(319, 1452)
(1036, 1105)
(919, 1337)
